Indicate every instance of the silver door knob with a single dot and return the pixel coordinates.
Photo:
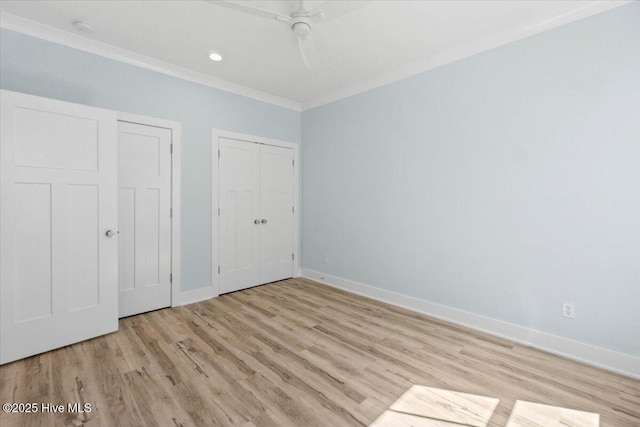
(110, 233)
(256, 221)
(264, 221)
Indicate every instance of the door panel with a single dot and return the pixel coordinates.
(83, 246)
(49, 139)
(126, 240)
(276, 208)
(58, 187)
(32, 251)
(239, 188)
(154, 213)
(144, 211)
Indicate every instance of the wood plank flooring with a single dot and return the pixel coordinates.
(296, 353)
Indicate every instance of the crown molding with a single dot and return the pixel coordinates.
(467, 49)
(55, 35)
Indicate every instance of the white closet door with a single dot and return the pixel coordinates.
(276, 212)
(144, 216)
(58, 187)
(239, 187)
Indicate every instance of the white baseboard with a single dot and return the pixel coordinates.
(621, 363)
(196, 295)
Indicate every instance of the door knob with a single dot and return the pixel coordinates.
(256, 221)
(264, 221)
(110, 233)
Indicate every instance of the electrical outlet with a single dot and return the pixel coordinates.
(568, 310)
(325, 259)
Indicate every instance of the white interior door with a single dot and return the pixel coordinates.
(144, 217)
(239, 220)
(276, 212)
(58, 186)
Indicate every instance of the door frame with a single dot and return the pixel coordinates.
(176, 162)
(216, 134)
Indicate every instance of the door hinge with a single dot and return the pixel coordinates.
(218, 211)
(293, 257)
(293, 162)
(171, 148)
(218, 269)
(218, 153)
(171, 278)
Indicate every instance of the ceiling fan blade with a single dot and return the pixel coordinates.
(253, 10)
(332, 9)
(308, 49)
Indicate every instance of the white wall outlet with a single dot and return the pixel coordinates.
(325, 259)
(568, 310)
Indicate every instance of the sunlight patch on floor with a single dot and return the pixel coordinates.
(422, 406)
(528, 414)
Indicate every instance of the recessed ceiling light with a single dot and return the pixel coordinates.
(215, 56)
(83, 26)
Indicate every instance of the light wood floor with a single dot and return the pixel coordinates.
(296, 353)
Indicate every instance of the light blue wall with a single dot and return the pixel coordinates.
(46, 69)
(502, 184)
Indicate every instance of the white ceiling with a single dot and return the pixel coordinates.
(361, 44)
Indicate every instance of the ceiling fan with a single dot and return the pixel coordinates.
(301, 21)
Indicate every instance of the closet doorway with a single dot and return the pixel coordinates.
(256, 206)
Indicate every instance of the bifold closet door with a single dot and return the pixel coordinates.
(144, 215)
(58, 223)
(276, 212)
(239, 220)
